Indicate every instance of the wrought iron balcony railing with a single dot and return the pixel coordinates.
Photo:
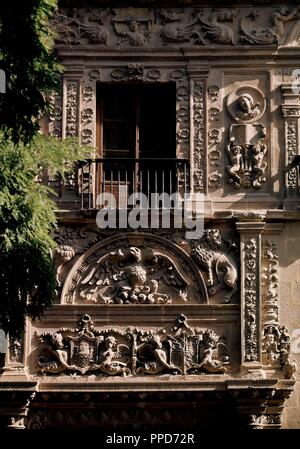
(123, 177)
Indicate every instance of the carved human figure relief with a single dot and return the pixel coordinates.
(246, 149)
(210, 253)
(135, 31)
(180, 349)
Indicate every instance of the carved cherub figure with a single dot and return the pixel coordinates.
(109, 364)
(258, 165)
(236, 162)
(249, 109)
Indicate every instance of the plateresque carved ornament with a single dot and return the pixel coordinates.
(246, 150)
(128, 270)
(88, 350)
(132, 277)
(210, 253)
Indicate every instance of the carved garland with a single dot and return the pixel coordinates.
(87, 350)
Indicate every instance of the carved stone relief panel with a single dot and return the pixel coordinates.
(198, 127)
(246, 148)
(156, 27)
(142, 269)
(217, 257)
(250, 290)
(176, 349)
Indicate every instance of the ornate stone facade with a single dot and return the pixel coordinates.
(147, 320)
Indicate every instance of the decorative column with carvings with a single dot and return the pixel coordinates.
(291, 114)
(198, 123)
(16, 389)
(250, 232)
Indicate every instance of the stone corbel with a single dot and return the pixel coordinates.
(291, 113)
(250, 246)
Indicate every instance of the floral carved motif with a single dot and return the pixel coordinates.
(250, 295)
(135, 352)
(270, 281)
(199, 134)
(72, 104)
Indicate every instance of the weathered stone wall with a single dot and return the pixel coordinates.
(290, 308)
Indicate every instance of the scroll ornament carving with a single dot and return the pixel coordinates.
(135, 352)
(250, 276)
(71, 242)
(76, 26)
(132, 276)
(209, 252)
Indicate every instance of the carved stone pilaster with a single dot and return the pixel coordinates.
(71, 107)
(16, 389)
(198, 144)
(55, 115)
(250, 292)
(291, 114)
(88, 109)
(270, 274)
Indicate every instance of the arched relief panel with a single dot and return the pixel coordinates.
(131, 269)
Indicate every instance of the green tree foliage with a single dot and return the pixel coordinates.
(27, 212)
(26, 56)
(27, 218)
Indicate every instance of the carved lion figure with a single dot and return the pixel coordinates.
(222, 271)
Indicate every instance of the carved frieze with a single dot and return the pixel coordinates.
(211, 253)
(112, 351)
(152, 27)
